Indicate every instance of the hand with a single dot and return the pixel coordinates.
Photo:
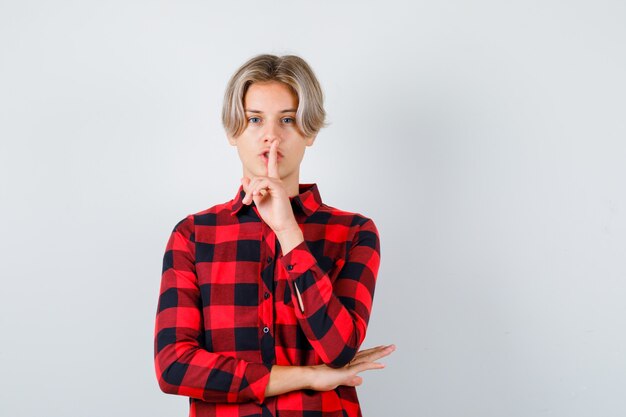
(270, 196)
(326, 378)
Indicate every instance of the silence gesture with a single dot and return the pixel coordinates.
(270, 197)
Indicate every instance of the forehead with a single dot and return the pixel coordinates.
(270, 95)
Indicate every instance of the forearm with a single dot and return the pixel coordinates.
(288, 378)
(322, 377)
(184, 368)
(333, 307)
(333, 331)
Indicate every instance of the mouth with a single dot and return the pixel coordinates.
(266, 156)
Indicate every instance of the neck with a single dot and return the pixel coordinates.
(292, 185)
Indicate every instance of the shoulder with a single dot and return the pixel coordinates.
(354, 220)
(206, 216)
(356, 229)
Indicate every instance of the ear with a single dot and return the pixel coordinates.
(310, 140)
(232, 140)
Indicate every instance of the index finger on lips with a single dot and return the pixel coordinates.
(272, 163)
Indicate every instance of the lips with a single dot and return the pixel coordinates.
(266, 154)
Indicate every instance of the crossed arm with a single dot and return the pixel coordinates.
(336, 342)
(322, 377)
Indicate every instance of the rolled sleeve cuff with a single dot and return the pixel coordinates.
(257, 376)
(298, 260)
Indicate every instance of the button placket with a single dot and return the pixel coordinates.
(267, 268)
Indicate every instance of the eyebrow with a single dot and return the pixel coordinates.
(282, 111)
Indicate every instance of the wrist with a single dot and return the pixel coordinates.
(290, 238)
(293, 227)
(289, 378)
(308, 376)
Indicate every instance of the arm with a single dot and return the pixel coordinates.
(182, 365)
(336, 314)
(332, 315)
(322, 377)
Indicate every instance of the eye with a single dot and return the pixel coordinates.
(254, 119)
(288, 119)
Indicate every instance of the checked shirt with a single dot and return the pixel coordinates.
(229, 307)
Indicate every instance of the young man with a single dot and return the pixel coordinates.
(265, 299)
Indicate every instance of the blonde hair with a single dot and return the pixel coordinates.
(288, 69)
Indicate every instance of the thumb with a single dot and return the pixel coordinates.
(357, 380)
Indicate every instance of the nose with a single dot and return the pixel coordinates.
(271, 132)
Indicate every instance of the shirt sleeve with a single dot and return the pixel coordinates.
(182, 365)
(334, 315)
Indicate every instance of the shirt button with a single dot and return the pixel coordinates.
(266, 329)
(266, 295)
(269, 259)
(289, 267)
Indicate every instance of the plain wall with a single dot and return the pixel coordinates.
(485, 139)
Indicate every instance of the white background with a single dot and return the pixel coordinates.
(485, 139)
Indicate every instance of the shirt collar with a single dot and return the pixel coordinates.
(308, 200)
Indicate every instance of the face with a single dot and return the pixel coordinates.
(271, 115)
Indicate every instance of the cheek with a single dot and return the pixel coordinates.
(245, 152)
(301, 150)
(296, 153)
